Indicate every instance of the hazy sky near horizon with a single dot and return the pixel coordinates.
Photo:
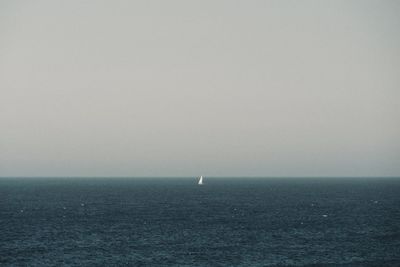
(219, 88)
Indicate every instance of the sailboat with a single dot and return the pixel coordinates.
(200, 180)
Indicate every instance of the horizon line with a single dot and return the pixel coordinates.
(194, 176)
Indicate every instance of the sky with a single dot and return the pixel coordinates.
(188, 88)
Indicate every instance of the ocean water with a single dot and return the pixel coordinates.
(175, 222)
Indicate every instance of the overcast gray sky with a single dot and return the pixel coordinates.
(182, 88)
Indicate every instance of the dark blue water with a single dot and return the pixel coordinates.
(174, 222)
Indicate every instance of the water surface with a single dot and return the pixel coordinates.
(175, 222)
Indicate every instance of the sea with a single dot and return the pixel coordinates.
(175, 222)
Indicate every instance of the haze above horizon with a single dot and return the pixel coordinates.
(214, 88)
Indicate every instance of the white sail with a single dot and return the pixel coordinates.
(201, 180)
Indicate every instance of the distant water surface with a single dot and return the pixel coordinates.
(175, 222)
